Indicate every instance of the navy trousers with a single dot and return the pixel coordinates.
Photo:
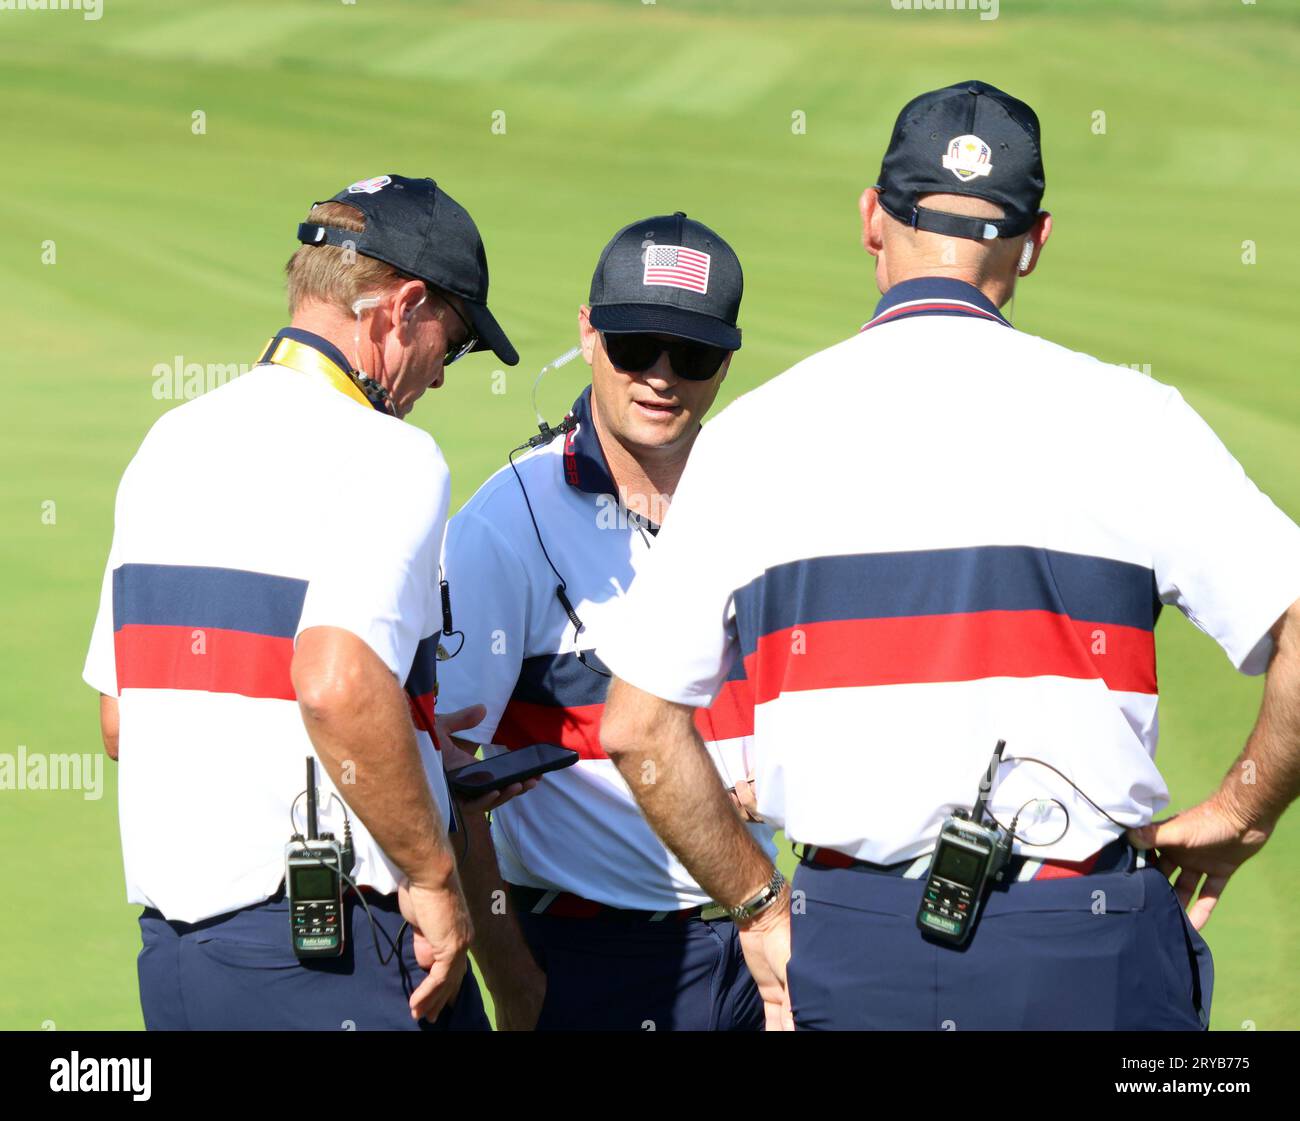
(237, 972)
(1110, 952)
(611, 974)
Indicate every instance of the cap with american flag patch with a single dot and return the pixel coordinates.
(669, 275)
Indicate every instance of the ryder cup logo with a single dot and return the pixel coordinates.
(967, 157)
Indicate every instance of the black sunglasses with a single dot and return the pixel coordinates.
(471, 338)
(690, 360)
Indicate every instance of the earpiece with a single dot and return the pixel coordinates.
(410, 311)
(1026, 255)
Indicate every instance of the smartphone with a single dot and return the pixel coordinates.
(485, 775)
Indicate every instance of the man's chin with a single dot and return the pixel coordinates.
(657, 435)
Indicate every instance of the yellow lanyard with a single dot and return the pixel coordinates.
(308, 360)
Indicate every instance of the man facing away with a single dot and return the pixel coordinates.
(971, 535)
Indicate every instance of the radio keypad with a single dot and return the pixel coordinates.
(315, 919)
(948, 899)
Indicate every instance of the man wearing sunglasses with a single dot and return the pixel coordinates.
(538, 560)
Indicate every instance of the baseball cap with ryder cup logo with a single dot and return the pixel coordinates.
(419, 229)
(668, 275)
(968, 139)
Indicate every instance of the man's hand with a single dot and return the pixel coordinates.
(453, 756)
(1217, 837)
(462, 720)
(442, 933)
(1207, 840)
(766, 943)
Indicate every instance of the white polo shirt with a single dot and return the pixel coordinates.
(580, 831)
(270, 505)
(950, 532)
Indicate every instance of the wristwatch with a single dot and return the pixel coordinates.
(767, 895)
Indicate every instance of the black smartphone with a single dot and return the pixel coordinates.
(485, 775)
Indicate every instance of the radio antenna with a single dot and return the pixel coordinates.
(986, 783)
(311, 798)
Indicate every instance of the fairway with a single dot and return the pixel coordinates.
(137, 241)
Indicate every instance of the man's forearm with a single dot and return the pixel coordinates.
(660, 755)
(499, 946)
(360, 724)
(1265, 778)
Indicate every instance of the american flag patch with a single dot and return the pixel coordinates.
(675, 266)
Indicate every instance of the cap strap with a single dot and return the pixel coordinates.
(958, 225)
(313, 233)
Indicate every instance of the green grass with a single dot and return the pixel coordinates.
(171, 243)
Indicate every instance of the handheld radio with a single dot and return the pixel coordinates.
(313, 877)
(968, 856)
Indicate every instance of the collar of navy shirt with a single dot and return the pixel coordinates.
(934, 295)
(585, 466)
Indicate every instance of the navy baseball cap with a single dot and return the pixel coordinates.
(415, 226)
(967, 139)
(668, 275)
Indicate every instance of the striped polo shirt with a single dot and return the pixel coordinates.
(940, 533)
(270, 505)
(543, 681)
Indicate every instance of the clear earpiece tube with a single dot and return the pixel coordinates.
(554, 364)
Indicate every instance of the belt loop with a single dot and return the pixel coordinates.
(917, 869)
(539, 908)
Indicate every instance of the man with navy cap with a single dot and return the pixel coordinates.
(597, 926)
(953, 535)
(271, 596)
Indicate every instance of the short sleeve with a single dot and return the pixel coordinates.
(489, 603)
(1225, 554)
(379, 578)
(674, 635)
(100, 671)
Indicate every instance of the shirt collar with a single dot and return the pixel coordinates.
(934, 295)
(585, 465)
(327, 350)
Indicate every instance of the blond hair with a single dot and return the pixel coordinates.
(332, 274)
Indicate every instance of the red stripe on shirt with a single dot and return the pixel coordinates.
(203, 658)
(731, 715)
(959, 647)
(522, 724)
(422, 713)
(578, 728)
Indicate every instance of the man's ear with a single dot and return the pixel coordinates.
(1039, 232)
(406, 298)
(873, 221)
(586, 334)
